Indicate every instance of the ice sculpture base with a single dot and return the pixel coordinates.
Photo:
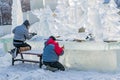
(98, 60)
(97, 56)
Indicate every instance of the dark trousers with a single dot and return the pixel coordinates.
(56, 64)
(21, 45)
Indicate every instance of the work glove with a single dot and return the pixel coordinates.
(33, 34)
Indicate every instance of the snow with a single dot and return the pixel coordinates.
(30, 71)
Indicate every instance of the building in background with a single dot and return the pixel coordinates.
(25, 5)
(5, 12)
(6, 8)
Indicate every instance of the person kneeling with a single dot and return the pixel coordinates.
(51, 53)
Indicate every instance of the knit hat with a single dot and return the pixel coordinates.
(26, 23)
(52, 37)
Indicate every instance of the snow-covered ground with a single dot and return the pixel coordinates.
(30, 71)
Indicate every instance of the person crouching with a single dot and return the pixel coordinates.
(51, 53)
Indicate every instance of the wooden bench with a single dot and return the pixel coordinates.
(29, 52)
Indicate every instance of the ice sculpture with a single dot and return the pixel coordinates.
(46, 24)
(51, 3)
(94, 20)
(71, 15)
(64, 21)
(17, 15)
(110, 21)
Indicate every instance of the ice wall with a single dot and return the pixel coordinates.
(98, 60)
(96, 56)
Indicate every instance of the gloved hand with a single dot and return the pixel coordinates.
(33, 34)
(63, 47)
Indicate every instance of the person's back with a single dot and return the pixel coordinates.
(49, 54)
(19, 33)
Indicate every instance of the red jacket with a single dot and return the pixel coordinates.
(57, 48)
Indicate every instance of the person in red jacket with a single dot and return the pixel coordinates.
(51, 54)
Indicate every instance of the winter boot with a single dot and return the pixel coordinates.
(51, 68)
(13, 52)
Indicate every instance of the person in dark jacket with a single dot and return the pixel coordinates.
(21, 33)
(51, 53)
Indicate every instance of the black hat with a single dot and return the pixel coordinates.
(26, 23)
(52, 37)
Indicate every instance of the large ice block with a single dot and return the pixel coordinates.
(97, 56)
(99, 60)
(7, 42)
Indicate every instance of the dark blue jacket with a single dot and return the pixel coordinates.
(21, 33)
(49, 54)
